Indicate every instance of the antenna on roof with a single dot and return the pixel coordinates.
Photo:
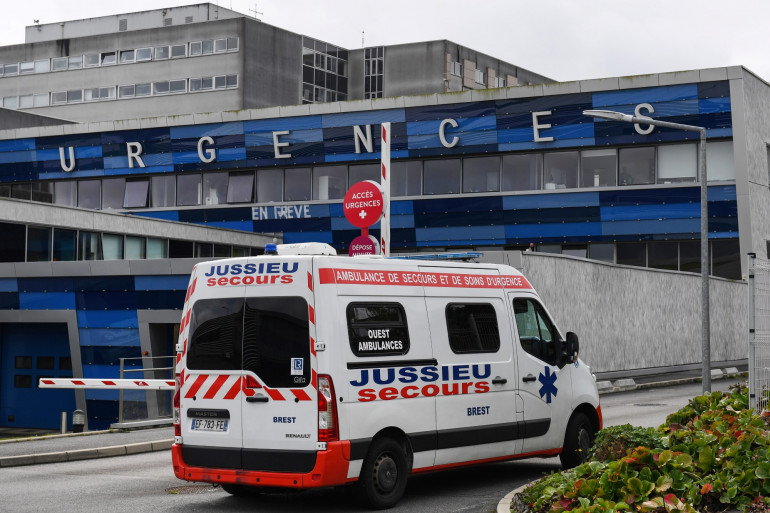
(255, 11)
(362, 39)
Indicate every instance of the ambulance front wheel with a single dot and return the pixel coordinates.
(578, 440)
(383, 474)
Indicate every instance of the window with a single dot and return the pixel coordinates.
(231, 81)
(220, 82)
(270, 185)
(677, 163)
(59, 63)
(22, 362)
(240, 188)
(156, 248)
(42, 66)
(126, 91)
(195, 84)
(10, 102)
(207, 47)
(522, 172)
(177, 86)
(75, 96)
(89, 246)
(21, 191)
(75, 62)
(22, 381)
(216, 327)
(178, 51)
(663, 255)
(232, 44)
(561, 170)
(598, 168)
(377, 329)
(142, 90)
(26, 67)
(406, 178)
(90, 60)
(329, 182)
(361, 172)
(203, 250)
(109, 58)
(441, 176)
(719, 158)
(220, 45)
(112, 245)
(604, 252)
(479, 76)
(481, 174)
(180, 249)
(472, 328)
(25, 102)
(163, 191)
(143, 54)
(123, 25)
(113, 190)
(214, 188)
(46, 362)
(537, 335)
(40, 100)
(196, 48)
(136, 193)
(632, 253)
(127, 56)
(11, 69)
(456, 68)
(160, 87)
(42, 191)
(636, 166)
(135, 248)
(13, 247)
(90, 194)
(161, 53)
(38, 244)
(65, 193)
(188, 190)
(64, 245)
(726, 259)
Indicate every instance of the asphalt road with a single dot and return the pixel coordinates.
(145, 482)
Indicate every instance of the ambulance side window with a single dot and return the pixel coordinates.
(216, 327)
(377, 329)
(537, 334)
(472, 328)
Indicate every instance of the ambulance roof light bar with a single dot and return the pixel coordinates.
(301, 248)
(464, 256)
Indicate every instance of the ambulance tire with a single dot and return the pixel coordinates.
(578, 440)
(383, 474)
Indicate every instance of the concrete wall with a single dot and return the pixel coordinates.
(630, 318)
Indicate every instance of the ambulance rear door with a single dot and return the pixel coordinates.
(279, 403)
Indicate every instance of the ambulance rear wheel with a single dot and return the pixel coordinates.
(577, 441)
(383, 475)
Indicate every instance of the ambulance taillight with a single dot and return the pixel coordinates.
(177, 416)
(327, 410)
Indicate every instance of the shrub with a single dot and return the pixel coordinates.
(614, 442)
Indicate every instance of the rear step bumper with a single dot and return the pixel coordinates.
(331, 469)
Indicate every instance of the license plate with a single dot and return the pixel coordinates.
(209, 424)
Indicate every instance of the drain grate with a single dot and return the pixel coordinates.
(191, 489)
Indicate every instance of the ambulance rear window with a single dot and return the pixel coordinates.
(269, 336)
(472, 328)
(377, 329)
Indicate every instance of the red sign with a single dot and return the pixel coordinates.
(363, 245)
(363, 204)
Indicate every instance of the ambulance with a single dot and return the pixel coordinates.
(301, 369)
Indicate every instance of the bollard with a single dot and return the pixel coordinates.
(78, 421)
(63, 424)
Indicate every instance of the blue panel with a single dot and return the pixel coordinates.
(244, 226)
(281, 124)
(452, 110)
(81, 152)
(401, 207)
(73, 174)
(710, 105)
(721, 193)
(48, 284)
(296, 136)
(296, 237)
(463, 125)
(101, 396)
(138, 170)
(9, 300)
(464, 139)
(109, 337)
(102, 283)
(8, 285)
(47, 301)
(17, 145)
(170, 215)
(534, 232)
(107, 319)
(671, 226)
(401, 221)
(645, 95)
(569, 199)
(161, 299)
(661, 211)
(101, 413)
(467, 234)
(569, 143)
(102, 372)
(162, 282)
(18, 156)
(363, 118)
(106, 300)
(210, 130)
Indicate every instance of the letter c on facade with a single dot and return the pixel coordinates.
(441, 135)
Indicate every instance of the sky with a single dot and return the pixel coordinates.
(561, 39)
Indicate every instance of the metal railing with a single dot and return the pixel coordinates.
(156, 404)
(759, 333)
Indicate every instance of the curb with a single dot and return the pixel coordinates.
(504, 506)
(86, 454)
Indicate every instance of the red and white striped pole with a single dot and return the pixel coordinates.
(385, 182)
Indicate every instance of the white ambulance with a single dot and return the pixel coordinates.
(308, 370)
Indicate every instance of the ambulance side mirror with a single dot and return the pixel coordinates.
(571, 347)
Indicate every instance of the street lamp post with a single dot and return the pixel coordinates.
(704, 243)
